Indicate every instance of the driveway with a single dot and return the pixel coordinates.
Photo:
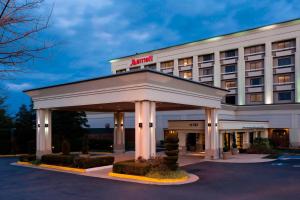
(272, 180)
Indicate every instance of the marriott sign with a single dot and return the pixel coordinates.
(137, 61)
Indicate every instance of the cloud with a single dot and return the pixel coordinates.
(18, 87)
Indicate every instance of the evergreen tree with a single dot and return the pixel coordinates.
(6, 126)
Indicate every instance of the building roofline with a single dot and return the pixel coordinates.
(209, 38)
(122, 74)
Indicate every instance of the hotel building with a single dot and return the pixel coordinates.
(243, 85)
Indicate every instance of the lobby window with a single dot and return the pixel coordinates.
(167, 64)
(207, 71)
(230, 84)
(284, 61)
(230, 53)
(152, 66)
(230, 68)
(208, 57)
(185, 61)
(255, 65)
(120, 71)
(284, 96)
(256, 98)
(286, 78)
(186, 74)
(230, 99)
(256, 81)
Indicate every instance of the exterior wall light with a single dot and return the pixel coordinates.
(140, 125)
(116, 125)
(122, 125)
(209, 124)
(39, 125)
(216, 124)
(46, 125)
(150, 124)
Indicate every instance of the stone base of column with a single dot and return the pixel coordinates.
(119, 148)
(39, 154)
(212, 154)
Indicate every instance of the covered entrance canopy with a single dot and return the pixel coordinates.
(143, 92)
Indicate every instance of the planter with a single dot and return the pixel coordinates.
(234, 151)
(226, 155)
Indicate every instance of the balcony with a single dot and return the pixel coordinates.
(185, 68)
(283, 86)
(253, 57)
(231, 60)
(226, 76)
(206, 78)
(289, 52)
(254, 88)
(256, 72)
(283, 69)
(167, 70)
(207, 64)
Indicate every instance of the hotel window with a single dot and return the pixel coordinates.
(230, 84)
(186, 74)
(284, 61)
(207, 71)
(134, 68)
(254, 49)
(255, 65)
(208, 57)
(230, 69)
(284, 78)
(256, 98)
(239, 140)
(120, 71)
(167, 64)
(230, 53)
(256, 81)
(284, 96)
(230, 99)
(284, 44)
(152, 66)
(185, 61)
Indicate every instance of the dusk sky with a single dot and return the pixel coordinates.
(89, 33)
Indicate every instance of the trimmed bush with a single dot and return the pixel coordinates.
(85, 145)
(66, 147)
(132, 167)
(171, 144)
(58, 159)
(85, 163)
(27, 158)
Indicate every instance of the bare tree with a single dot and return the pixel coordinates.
(20, 22)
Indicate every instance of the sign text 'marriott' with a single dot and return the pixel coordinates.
(137, 61)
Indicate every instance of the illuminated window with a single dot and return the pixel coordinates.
(186, 74)
(167, 64)
(230, 84)
(239, 140)
(256, 98)
(284, 78)
(185, 61)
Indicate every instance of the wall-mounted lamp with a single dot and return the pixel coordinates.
(39, 125)
(209, 124)
(150, 124)
(216, 124)
(46, 125)
(122, 125)
(140, 125)
(116, 125)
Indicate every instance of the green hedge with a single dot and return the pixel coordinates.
(58, 159)
(85, 163)
(27, 158)
(132, 167)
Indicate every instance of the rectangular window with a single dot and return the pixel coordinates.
(254, 49)
(186, 74)
(255, 65)
(255, 81)
(230, 100)
(207, 71)
(284, 61)
(167, 64)
(152, 66)
(284, 44)
(256, 98)
(185, 61)
(284, 78)
(230, 68)
(230, 53)
(134, 68)
(207, 57)
(284, 96)
(120, 71)
(230, 84)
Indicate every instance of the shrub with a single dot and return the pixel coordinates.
(234, 141)
(27, 158)
(85, 163)
(66, 147)
(58, 159)
(132, 167)
(171, 144)
(85, 145)
(261, 146)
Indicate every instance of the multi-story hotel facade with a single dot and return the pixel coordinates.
(261, 69)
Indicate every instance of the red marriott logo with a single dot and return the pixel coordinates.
(137, 61)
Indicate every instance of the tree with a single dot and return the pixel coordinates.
(68, 125)
(6, 126)
(25, 129)
(19, 26)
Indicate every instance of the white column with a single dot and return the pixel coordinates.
(158, 66)
(119, 132)
(145, 143)
(212, 143)
(241, 77)
(297, 71)
(195, 69)
(217, 69)
(43, 132)
(176, 69)
(182, 143)
(268, 73)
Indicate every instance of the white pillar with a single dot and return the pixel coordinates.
(145, 143)
(212, 143)
(158, 66)
(43, 132)
(217, 69)
(241, 77)
(297, 71)
(195, 69)
(119, 132)
(176, 69)
(268, 72)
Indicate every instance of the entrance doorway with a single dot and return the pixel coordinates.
(280, 137)
(191, 140)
